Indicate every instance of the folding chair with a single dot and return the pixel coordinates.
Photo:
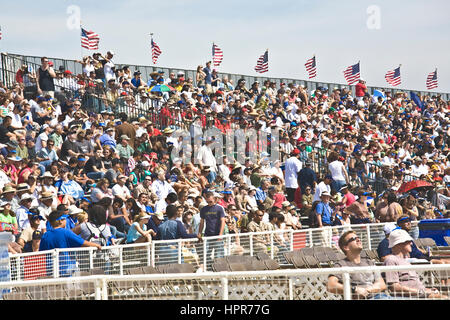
(298, 262)
(271, 264)
(259, 265)
(220, 266)
(262, 256)
(323, 259)
(149, 270)
(288, 256)
(238, 267)
(311, 262)
(235, 259)
(307, 251)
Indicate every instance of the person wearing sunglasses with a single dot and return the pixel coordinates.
(367, 285)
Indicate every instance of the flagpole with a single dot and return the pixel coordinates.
(81, 49)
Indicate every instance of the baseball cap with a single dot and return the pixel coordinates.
(389, 227)
(159, 215)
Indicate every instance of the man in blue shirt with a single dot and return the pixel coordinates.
(212, 217)
(323, 210)
(107, 138)
(59, 238)
(307, 177)
(261, 192)
(137, 81)
(169, 230)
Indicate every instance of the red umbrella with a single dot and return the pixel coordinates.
(410, 185)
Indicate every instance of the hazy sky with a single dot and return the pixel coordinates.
(413, 33)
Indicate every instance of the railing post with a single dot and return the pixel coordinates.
(18, 268)
(368, 237)
(179, 251)
(204, 254)
(224, 281)
(271, 245)
(291, 232)
(346, 283)
(291, 288)
(55, 255)
(251, 244)
(311, 243)
(153, 254)
(149, 253)
(91, 259)
(121, 260)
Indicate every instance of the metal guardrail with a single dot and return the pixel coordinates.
(295, 284)
(119, 258)
(147, 70)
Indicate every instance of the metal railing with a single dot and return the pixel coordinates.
(119, 258)
(296, 284)
(76, 67)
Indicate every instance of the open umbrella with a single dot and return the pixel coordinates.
(161, 88)
(410, 185)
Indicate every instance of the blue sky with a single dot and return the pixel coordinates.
(413, 33)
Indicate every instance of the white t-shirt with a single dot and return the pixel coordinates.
(206, 157)
(321, 187)
(337, 170)
(109, 73)
(292, 167)
(117, 190)
(42, 137)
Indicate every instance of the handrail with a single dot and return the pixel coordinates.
(291, 275)
(311, 85)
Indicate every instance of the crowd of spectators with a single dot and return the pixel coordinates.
(111, 176)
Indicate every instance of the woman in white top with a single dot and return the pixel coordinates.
(95, 229)
(337, 171)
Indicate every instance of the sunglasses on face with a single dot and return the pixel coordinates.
(352, 239)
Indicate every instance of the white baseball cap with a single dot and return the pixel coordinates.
(389, 227)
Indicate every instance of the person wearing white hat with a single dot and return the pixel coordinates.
(401, 283)
(383, 247)
(323, 210)
(22, 213)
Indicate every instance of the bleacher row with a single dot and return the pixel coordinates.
(304, 258)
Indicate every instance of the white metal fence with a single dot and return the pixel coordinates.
(116, 260)
(293, 284)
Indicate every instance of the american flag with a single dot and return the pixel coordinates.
(262, 65)
(156, 51)
(311, 67)
(0, 33)
(217, 55)
(393, 77)
(351, 74)
(432, 81)
(89, 40)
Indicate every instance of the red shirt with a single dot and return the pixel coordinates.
(360, 89)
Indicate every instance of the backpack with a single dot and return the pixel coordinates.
(96, 235)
